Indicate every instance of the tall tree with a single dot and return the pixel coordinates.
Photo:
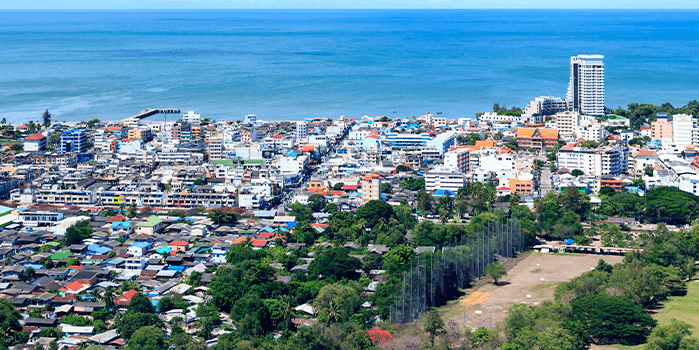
(46, 117)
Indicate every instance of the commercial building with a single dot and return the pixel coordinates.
(74, 140)
(403, 141)
(586, 87)
(592, 161)
(442, 142)
(567, 124)
(546, 105)
(539, 138)
(437, 179)
(457, 160)
(35, 142)
(592, 132)
(661, 129)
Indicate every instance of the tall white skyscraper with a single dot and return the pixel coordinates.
(586, 88)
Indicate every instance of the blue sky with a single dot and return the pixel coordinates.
(348, 4)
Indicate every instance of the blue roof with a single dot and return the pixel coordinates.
(164, 250)
(267, 229)
(442, 193)
(141, 245)
(289, 225)
(35, 266)
(98, 249)
(175, 268)
(124, 224)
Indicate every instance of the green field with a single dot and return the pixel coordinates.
(683, 308)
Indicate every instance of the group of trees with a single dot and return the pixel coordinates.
(646, 112)
(661, 204)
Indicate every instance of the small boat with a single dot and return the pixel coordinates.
(439, 112)
(394, 111)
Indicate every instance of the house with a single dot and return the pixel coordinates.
(151, 225)
(122, 228)
(138, 249)
(180, 246)
(88, 278)
(58, 273)
(12, 273)
(218, 252)
(35, 142)
(125, 298)
(136, 264)
(74, 288)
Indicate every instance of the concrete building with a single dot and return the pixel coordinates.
(592, 132)
(443, 142)
(457, 160)
(682, 126)
(403, 141)
(36, 142)
(567, 124)
(537, 138)
(191, 117)
(593, 161)
(586, 87)
(216, 148)
(74, 140)
(442, 179)
(546, 105)
(371, 187)
(301, 130)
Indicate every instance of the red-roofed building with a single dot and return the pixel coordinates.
(349, 188)
(117, 218)
(125, 298)
(180, 246)
(259, 243)
(74, 287)
(503, 191)
(35, 142)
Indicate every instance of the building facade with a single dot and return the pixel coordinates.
(586, 87)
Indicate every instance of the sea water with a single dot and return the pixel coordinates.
(285, 65)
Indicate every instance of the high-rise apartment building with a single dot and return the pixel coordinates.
(661, 129)
(682, 127)
(586, 88)
(301, 130)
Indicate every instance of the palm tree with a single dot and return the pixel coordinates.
(334, 313)
(287, 309)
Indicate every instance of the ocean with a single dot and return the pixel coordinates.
(289, 65)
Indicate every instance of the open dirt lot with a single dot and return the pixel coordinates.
(535, 275)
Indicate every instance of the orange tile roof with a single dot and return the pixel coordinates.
(35, 137)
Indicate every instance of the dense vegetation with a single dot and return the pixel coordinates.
(646, 112)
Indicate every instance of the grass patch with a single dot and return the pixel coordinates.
(542, 286)
(535, 271)
(684, 308)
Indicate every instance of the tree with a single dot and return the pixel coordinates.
(434, 325)
(607, 191)
(141, 304)
(222, 217)
(611, 319)
(403, 168)
(413, 184)
(92, 122)
(199, 182)
(46, 117)
(76, 233)
(17, 147)
(147, 338)
(31, 127)
(396, 258)
(9, 323)
(317, 202)
(208, 318)
(674, 336)
(335, 262)
(373, 211)
(648, 171)
(131, 322)
(386, 187)
(301, 212)
(496, 270)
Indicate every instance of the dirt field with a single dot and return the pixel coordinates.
(523, 284)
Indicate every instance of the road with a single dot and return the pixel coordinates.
(545, 181)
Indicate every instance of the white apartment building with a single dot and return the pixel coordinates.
(682, 127)
(301, 130)
(546, 105)
(216, 148)
(593, 161)
(592, 132)
(457, 160)
(191, 117)
(371, 187)
(442, 179)
(586, 87)
(567, 124)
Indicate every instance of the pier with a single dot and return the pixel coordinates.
(152, 111)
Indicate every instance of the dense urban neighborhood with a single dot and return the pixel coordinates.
(347, 233)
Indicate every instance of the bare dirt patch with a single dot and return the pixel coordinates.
(531, 279)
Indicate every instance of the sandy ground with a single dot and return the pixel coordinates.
(531, 280)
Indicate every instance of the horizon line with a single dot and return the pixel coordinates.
(357, 9)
